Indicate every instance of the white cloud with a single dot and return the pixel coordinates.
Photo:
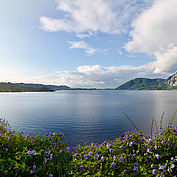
(85, 17)
(82, 45)
(103, 77)
(86, 76)
(154, 33)
(166, 61)
(88, 49)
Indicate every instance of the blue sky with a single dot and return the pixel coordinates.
(100, 43)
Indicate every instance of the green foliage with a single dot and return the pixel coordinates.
(161, 120)
(132, 123)
(4, 125)
(172, 119)
(130, 155)
(32, 155)
(143, 84)
(21, 87)
(146, 84)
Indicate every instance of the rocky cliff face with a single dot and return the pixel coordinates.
(172, 80)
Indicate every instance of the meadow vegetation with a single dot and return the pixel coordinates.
(132, 154)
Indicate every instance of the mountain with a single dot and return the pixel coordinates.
(172, 80)
(22, 87)
(142, 84)
(150, 84)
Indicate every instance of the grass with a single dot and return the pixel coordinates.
(132, 154)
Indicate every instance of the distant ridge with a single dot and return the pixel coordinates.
(150, 84)
(23, 87)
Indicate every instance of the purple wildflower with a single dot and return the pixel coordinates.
(155, 147)
(96, 156)
(152, 166)
(31, 172)
(81, 167)
(121, 147)
(113, 164)
(110, 150)
(142, 139)
(85, 156)
(169, 170)
(99, 145)
(121, 142)
(157, 156)
(154, 171)
(149, 150)
(32, 141)
(135, 169)
(131, 144)
(45, 160)
(108, 145)
(92, 145)
(34, 167)
(172, 166)
(102, 158)
(90, 153)
(32, 152)
(135, 165)
(50, 175)
(163, 142)
(51, 156)
(162, 167)
(134, 155)
(6, 150)
(76, 155)
(114, 157)
(69, 150)
(121, 159)
(175, 133)
(162, 174)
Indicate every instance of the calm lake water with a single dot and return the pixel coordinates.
(86, 116)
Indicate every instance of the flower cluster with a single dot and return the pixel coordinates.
(133, 154)
(32, 155)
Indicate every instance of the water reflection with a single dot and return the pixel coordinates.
(86, 116)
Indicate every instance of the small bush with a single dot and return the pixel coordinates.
(33, 155)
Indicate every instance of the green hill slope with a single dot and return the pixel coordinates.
(143, 84)
(21, 87)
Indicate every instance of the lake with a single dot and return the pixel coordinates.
(86, 116)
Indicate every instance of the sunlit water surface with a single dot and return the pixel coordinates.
(86, 116)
